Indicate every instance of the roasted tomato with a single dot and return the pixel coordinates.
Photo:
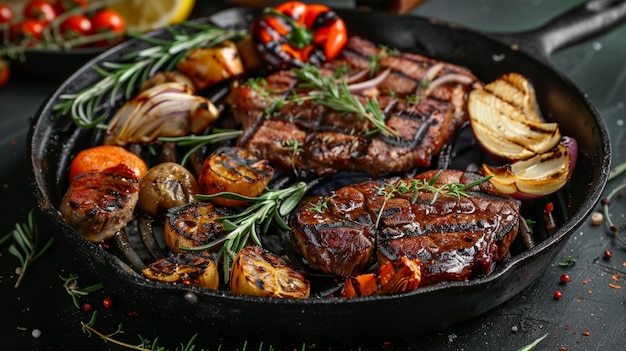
(66, 5)
(102, 157)
(234, 170)
(164, 186)
(259, 272)
(40, 10)
(294, 33)
(187, 268)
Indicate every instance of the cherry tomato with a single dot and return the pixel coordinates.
(6, 13)
(108, 20)
(99, 158)
(66, 5)
(27, 32)
(40, 10)
(76, 26)
(5, 72)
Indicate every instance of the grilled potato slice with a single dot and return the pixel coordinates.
(259, 272)
(187, 268)
(236, 170)
(193, 225)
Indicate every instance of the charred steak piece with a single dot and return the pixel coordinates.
(454, 238)
(422, 101)
(98, 204)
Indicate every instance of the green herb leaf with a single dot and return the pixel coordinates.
(532, 345)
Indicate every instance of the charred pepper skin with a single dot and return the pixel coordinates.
(294, 34)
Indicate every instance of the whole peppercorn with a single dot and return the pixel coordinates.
(608, 254)
(558, 295)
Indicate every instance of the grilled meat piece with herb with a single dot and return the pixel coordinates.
(454, 222)
(99, 203)
(316, 120)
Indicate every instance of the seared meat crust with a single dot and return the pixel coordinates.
(454, 239)
(329, 141)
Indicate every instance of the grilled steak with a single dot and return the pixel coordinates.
(422, 101)
(454, 238)
(98, 204)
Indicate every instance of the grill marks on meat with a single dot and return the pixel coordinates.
(453, 239)
(98, 204)
(331, 141)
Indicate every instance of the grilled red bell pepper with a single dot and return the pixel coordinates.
(295, 33)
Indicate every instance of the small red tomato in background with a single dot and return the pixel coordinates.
(76, 26)
(66, 5)
(40, 10)
(6, 13)
(108, 21)
(27, 32)
(5, 72)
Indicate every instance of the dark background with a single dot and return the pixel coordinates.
(590, 316)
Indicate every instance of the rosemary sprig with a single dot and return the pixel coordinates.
(70, 284)
(264, 209)
(198, 141)
(333, 93)
(457, 190)
(138, 66)
(26, 247)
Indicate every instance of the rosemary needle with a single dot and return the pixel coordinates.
(138, 66)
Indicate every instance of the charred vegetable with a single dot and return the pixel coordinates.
(165, 110)
(186, 268)
(537, 176)
(193, 225)
(259, 272)
(235, 170)
(209, 66)
(390, 278)
(99, 158)
(295, 33)
(506, 120)
(164, 186)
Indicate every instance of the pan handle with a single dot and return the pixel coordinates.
(583, 22)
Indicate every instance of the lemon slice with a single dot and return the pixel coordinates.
(145, 15)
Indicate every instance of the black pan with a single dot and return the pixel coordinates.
(52, 143)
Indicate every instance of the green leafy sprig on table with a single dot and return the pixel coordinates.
(136, 67)
(70, 284)
(606, 202)
(26, 245)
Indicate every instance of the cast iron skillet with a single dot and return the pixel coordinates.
(52, 143)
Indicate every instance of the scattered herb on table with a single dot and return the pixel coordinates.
(532, 345)
(569, 261)
(26, 245)
(71, 287)
(606, 202)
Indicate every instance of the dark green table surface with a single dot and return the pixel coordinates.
(590, 316)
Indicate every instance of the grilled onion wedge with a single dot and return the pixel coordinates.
(507, 122)
(259, 272)
(193, 225)
(234, 170)
(209, 66)
(186, 268)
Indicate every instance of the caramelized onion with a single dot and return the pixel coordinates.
(362, 87)
(538, 176)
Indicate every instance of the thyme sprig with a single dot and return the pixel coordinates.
(198, 141)
(26, 247)
(138, 66)
(70, 284)
(270, 206)
(415, 186)
(334, 93)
